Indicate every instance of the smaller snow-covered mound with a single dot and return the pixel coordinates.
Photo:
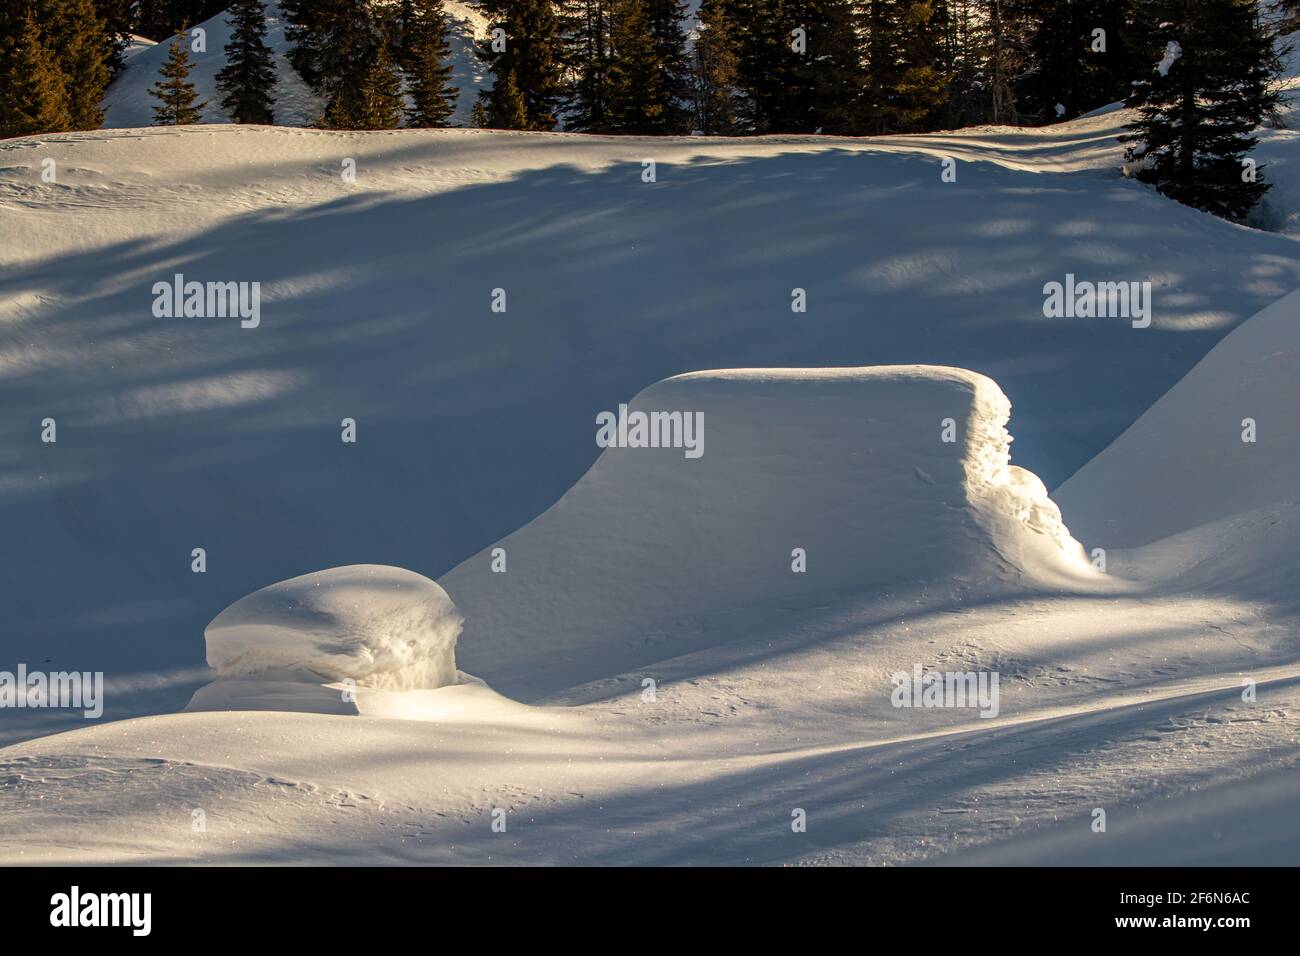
(793, 488)
(380, 626)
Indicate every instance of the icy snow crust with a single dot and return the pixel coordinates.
(379, 626)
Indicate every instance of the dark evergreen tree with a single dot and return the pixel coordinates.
(331, 47)
(771, 71)
(666, 20)
(905, 87)
(1004, 32)
(799, 65)
(426, 61)
(715, 91)
(1199, 106)
(35, 97)
(961, 60)
(247, 81)
(478, 115)
(530, 49)
(638, 90)
(587, 25)
(381, 92)
(175, 93)
(156, 19)
(505, 107)
(118, 17)
(1081, 57)
(831, 70)
(78, 38)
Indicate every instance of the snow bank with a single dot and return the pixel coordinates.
(380, 626)
(1184, 463)
(813, 484)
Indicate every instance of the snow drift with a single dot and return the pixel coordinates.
(379, 626)
(813, 484)
(1184, 463)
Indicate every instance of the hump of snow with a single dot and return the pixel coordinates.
(380, 626)
(128, 103)
(1184, 463)
(654, 553)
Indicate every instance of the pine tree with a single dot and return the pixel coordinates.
(332, 45)
(36, 98)
(174, 92)
(715, 72)
(1075, 68)
(924, 85)
(1197, 109)
(426, 61)
(157, 19)
(248, 78)
(532, 54)
(82, 47)
(961, 60)
(832, 69)
(637, 85)
(381, 93)
(777, 97)
(1004, 31)
(666, 20)
(118, 18)
(587, 26)
(904, 89)
(505, 108)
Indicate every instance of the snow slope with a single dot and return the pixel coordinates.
(1184, 495)
(811, 485)
(376, 306)
(1184, 463)
(128, 103)
(672, 703)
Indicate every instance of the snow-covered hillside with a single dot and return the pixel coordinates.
(1223, 441)
(661, 683)
(128, 103)
(1208, 472)
(377, 305)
